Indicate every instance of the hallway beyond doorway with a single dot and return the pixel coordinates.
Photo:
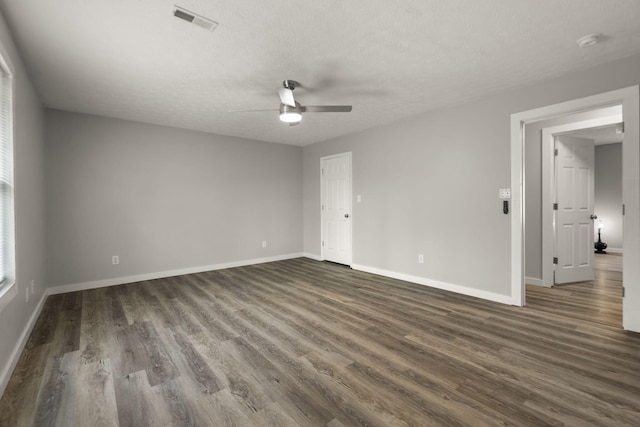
(599, 300)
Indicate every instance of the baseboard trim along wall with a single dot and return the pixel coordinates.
(614, 250)
(312, 256)
(534, 281)
(19, 347)
(22, 342)
(503, 299)
(163, 274)
(15, 355)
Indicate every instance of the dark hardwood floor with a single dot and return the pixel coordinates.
(300, 342)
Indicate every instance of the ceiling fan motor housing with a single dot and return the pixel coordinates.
(290, 84)
(285, 109)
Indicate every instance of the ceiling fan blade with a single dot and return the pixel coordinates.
(286, 96)
(327, 108)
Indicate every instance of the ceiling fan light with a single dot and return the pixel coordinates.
(290, 114)
(290, 117)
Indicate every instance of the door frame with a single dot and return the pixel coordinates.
(630, 100)
(549, 185)
(349, 156)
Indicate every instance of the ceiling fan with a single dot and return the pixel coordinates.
(291, 110)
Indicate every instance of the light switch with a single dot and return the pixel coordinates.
(358, 198)
(505, 193)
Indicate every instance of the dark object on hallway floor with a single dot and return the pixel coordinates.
(600, 246)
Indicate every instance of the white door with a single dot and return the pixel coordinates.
(573, 219)
(336, 208)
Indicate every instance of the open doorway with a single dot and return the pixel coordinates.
(541, 201)
(608, 184)
(629, 99)
(585, 196)
(605, 230)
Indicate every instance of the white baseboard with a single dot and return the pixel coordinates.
(312, 256)
(534, 281)
(503, 299)
(19, 347)
(163, 274)
(614, 250)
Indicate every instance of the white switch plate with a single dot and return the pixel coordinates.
(505, 193)
(358, 198)
(420, 259)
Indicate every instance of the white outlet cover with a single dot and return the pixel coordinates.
(505, 193)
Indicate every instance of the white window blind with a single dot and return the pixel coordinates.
(7, 239)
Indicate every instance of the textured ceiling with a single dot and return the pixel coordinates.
(132, 59)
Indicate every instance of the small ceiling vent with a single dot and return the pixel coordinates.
(194, 18)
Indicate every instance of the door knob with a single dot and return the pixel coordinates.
(346, 215)
(594, 216)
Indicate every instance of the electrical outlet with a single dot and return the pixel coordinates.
(264, 243)
(115, 260)
(420, 259)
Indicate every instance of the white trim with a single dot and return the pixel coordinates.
(22, 342)
(163, 274)
(611, 115)
(9, 291)
(6, 63)
(631, 219)
(17, 351)
(312, 256)
(7, 294)
(535, 282)
(472, 292)
(629, 97)
(614, 250)
(517, 210)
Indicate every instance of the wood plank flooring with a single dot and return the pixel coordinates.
(300, 342)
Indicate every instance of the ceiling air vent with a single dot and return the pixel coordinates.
(195, 19)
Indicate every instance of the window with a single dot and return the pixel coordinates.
(7, 239)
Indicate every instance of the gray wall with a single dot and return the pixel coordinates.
(29, 207)
(163, 199)
(608, 193)
(430, 184)
(426, 190)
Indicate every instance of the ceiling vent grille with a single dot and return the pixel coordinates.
(195, 19)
